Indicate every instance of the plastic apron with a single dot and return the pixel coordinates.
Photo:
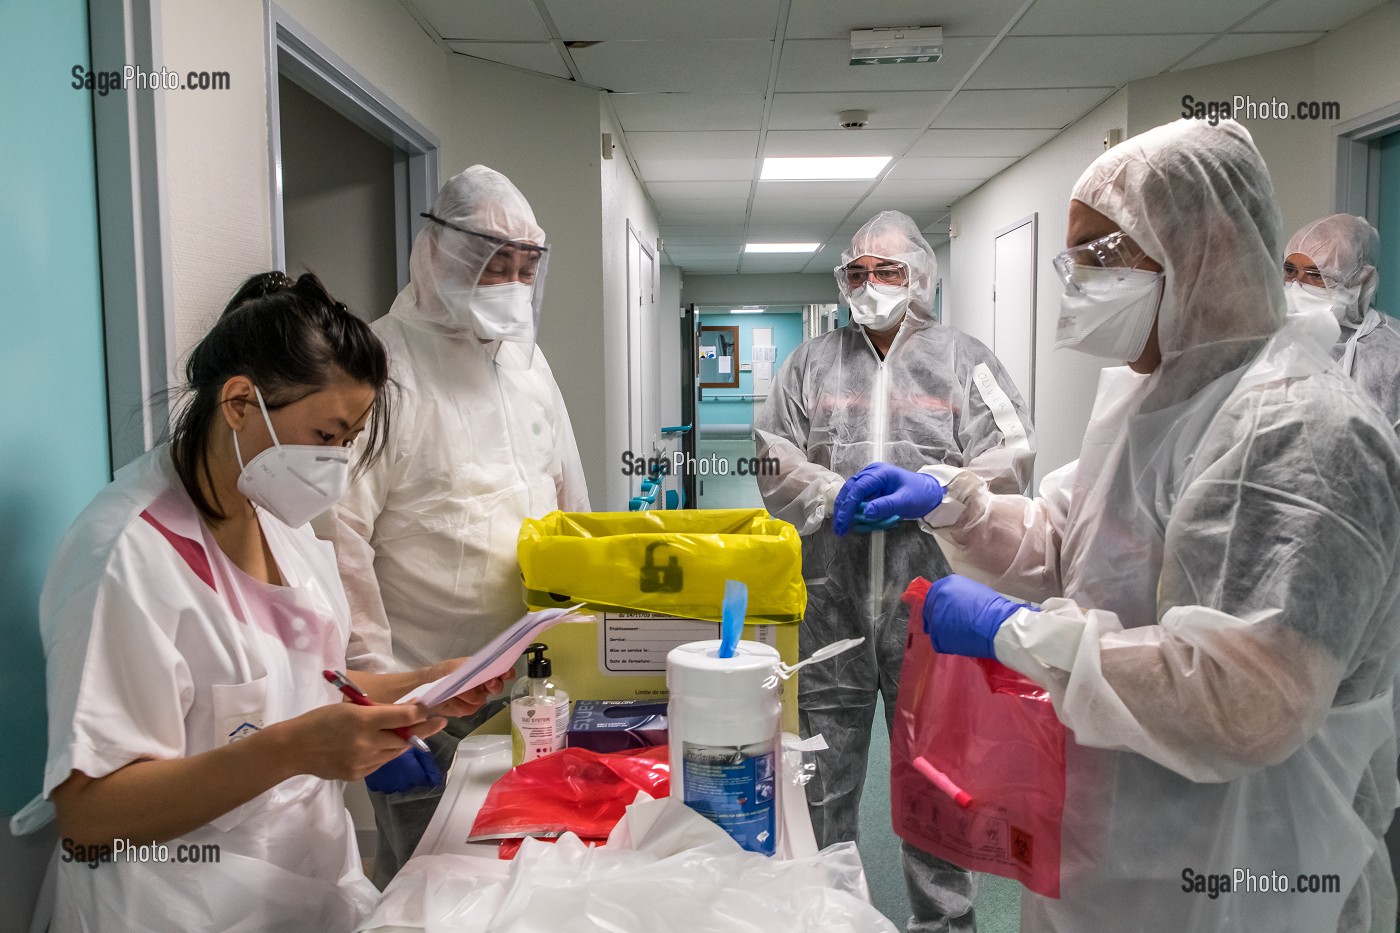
(1132, 828)
(287, 860)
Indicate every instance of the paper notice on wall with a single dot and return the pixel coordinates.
(762, 369)
(766, 353)
(725, 364)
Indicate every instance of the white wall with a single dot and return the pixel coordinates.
(669, 327)
(623, 202)
(542, 132)
(1040, 183)
(760, 289)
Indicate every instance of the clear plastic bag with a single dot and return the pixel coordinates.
(994, 734)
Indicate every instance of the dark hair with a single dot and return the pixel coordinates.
(291, 339)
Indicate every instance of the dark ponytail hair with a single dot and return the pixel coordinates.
(291, 339)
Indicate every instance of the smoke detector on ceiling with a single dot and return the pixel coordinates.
(853, 119)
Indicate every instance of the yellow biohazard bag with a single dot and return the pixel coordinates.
(672, 562)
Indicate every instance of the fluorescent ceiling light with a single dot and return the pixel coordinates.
(823, 168)
(781, 247)
(746, 310)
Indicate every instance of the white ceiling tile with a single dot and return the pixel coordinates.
(731, 144)
(698, 190)
(909, 196)
(532, 56)
(1072, 61)
(782, 190)
(720, 221)
(801, 230)
(823, 19)
(697, 169)
(887, 109)
(926, 168)
(1244, 45)
(836, 142)
(788, 208)
(922, 216)
(690, 208)
(669, 230)
(499, 20)
(980, 143)
(1039, 108)
(714, 66)
(648, 19)
(1307, 15)
(678, 111)
(1115, 17)
(825, 65)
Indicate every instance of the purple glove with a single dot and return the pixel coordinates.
(962, 616)
(881, 491)
(413, 769)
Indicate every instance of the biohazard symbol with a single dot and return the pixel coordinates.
(1022, 845)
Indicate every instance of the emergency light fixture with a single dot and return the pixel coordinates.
(896, 45)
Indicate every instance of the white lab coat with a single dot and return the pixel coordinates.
(158, 646)
(426, 538)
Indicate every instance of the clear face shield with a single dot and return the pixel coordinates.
(491, 287)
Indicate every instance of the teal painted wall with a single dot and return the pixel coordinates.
(1388, 295)
(53, 424)
(787, 334)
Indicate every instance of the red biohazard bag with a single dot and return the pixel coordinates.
(976, 726)
(571, 791)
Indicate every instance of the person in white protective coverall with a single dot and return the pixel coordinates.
(1331, 264)
(1219, 572)
(187, 619)
(895, 386)
(426, 539)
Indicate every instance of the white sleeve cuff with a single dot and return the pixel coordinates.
(1036, 643)
(952, 507)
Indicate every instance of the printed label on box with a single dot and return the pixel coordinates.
(638, 642)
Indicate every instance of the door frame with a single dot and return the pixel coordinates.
(295, 53)
(1027, 392)
(1358, 166)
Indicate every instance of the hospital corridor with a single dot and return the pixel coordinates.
(908, 466)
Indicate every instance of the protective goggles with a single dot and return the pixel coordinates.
(889, 273)
(1114, 251)
(1308, 275)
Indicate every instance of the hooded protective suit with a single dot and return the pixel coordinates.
(1226, 549)
(939, 396)
(480, 440)
(1345, 249)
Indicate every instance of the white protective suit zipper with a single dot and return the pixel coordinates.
(880, 399)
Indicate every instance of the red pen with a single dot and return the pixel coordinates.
(357, 696)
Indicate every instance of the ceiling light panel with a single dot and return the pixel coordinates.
(812, 168)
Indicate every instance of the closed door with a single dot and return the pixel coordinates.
(1013, 299)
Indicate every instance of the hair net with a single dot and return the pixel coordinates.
(446, 263)
(1343, 247)
(1198, 199)
(892, 235)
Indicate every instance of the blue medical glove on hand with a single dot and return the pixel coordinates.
(881, 491)
(413, 769)
(962, 616)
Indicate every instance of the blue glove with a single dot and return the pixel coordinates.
(962, 616)
(882, 491)
(413, 769)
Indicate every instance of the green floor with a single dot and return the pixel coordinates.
(998, 899)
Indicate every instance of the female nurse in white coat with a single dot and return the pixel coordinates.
(187, 620)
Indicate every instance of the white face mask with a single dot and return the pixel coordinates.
(1334, 301)
(879, 307)
(1111, 316)
(504, 312)
(295, 482)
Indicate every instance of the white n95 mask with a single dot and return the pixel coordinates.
(504, 312)
(1110, 315)
(295, 482)
(1334, 301)
(879, 307)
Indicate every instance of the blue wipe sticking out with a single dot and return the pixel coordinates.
(732, 612)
